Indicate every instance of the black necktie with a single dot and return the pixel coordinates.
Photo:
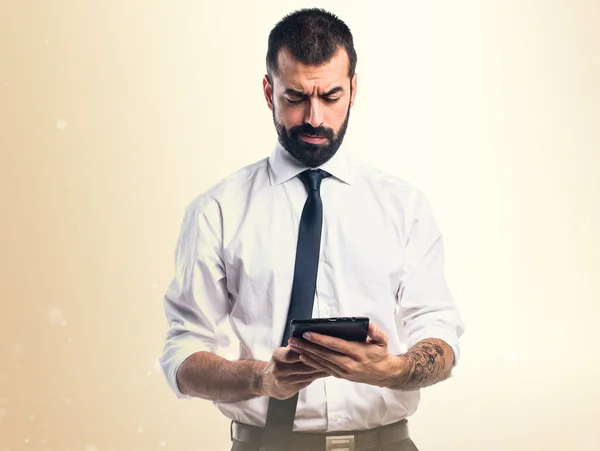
(281, 413)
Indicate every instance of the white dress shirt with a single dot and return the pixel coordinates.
(382, 256)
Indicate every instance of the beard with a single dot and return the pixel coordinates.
(311, 155)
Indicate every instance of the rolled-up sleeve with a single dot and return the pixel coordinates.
(426, 306)
(196, 301)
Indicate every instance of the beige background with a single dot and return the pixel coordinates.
(115, 114)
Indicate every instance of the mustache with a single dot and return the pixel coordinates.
(307, 129)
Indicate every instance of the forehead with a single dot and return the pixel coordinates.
(293, 73)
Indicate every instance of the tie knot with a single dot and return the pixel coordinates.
(312, 178)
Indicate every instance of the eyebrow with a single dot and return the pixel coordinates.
(294, 92)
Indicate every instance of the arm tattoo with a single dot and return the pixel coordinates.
(428, 362)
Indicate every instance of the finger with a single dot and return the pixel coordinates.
(304, 378)
(313, 375)
(328, 355)
(286, 355)
(285, 371)
(295, 388)
(299, 380)
(300, 368)
(321, 374)
(376, 335)
(313, 341)
(306, 346)
(322, 364)
(292, 356)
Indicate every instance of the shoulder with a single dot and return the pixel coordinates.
(232, 188)
(206, 210)
(403, 200)
(392, 187)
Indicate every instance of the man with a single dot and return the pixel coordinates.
(252, 243)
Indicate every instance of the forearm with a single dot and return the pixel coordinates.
(209, 376)
(428, 362)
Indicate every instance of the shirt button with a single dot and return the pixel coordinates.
(322, 258)
(336, 417)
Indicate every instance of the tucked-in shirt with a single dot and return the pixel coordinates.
(381, 256)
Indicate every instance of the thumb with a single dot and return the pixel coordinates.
(376, 335)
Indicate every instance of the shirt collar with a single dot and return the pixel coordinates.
(283, 166)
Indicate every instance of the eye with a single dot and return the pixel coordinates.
(294, 101)
(331, 100)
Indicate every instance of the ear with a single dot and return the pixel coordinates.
(353, 84)
(268, 91)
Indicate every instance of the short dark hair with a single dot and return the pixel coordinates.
(313, 36)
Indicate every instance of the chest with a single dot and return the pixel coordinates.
(361, 245)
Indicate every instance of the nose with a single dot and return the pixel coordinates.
(313, 116)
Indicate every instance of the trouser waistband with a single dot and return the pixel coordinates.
(364, 440)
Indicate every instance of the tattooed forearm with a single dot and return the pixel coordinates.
(428, 362)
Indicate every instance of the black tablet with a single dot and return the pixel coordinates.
(346, 328)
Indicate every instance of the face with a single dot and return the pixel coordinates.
(311, 106)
